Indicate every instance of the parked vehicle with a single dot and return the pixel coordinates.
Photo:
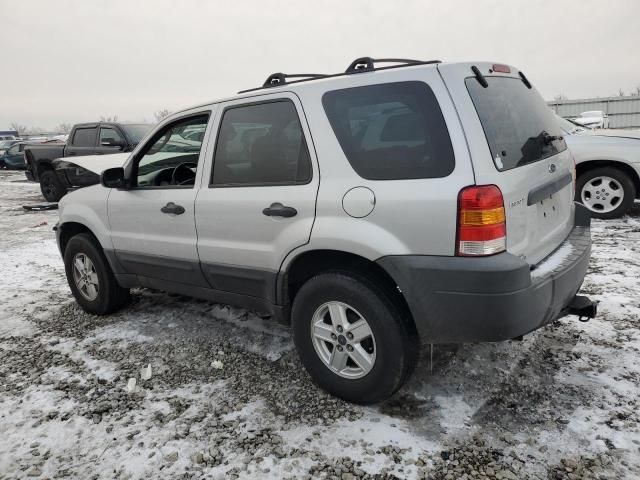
(85, 139)
(5, 144)
(608, 168)
(593, 119)
(13, 157)
(373, 210)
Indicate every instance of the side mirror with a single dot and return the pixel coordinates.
(113, 178)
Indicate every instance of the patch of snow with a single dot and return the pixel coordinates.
(553, 261)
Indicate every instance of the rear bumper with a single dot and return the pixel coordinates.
(462, 299)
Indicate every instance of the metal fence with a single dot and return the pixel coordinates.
(624, 112)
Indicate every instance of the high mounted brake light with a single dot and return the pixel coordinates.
(482, 228)
(497, 67)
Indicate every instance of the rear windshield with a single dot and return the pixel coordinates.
(391, 131)
(517, 122)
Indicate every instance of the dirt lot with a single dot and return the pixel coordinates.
(228, 398)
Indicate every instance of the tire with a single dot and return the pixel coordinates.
(393, 345)
(51, 187)
(617, 186)
(109, 296)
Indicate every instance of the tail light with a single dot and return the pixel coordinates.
(482, 229)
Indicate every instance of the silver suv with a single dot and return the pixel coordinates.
(373, 210)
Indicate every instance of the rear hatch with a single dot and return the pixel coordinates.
(516, 144)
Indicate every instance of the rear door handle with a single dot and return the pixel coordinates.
(172, 208)
(279, 210)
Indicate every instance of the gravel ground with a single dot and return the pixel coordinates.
(173, 387)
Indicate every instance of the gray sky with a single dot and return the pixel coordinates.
(74, 60)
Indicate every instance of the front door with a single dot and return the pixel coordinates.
(152, 222)
(259, 203)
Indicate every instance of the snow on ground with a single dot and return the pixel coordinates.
(227, 397)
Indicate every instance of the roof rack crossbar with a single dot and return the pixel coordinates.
(367, 64)
(279, 78)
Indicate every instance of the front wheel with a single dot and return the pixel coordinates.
(607, 192)
(354, 338)
(90, 277)
(51, 186)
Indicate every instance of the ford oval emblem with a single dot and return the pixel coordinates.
(552, 167)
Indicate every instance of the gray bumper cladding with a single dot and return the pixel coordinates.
(462, 299)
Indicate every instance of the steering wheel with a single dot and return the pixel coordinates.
(186, 169)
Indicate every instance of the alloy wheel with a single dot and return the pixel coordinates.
(343, 340)
(86, 277)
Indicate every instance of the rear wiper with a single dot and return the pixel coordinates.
(548, 139)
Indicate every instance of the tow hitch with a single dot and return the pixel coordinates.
(583, 307)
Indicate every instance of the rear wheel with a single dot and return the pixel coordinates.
(353, 337)
(51, 187)
(607, 192)
(90, 277)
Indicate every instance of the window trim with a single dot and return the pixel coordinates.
(403, 179)
(95, 128)
(259, 184)
(135, 160)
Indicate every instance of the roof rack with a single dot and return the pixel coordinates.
(359, 65)
(276, 79)
(367, 64)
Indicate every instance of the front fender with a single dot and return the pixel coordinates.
(88, 207)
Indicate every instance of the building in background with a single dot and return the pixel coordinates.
(8, 133)
(623, 112)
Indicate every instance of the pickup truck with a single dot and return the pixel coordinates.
(56, 177)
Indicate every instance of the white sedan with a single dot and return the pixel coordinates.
(607, 166)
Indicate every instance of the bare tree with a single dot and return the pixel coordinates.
(621, 93)
(560, 97)
(63, 128)
(21, 129)
(109, 119)
(161, 114)
(637, 91)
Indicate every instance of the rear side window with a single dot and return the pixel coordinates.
(84, 137)
(391, 131)
(517, 122)
(261, 144)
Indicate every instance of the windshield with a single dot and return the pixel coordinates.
(6, 143)
(136, 132)
(519, 127)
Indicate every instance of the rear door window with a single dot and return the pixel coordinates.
(391, 131)
(519, 126)
(84, 137)
(261, 144)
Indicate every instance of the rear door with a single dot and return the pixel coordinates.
(83, 141)
(516, 144)
(259, 203)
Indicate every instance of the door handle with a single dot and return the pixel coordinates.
(172, 208)
(71, 154)
(278, 210)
